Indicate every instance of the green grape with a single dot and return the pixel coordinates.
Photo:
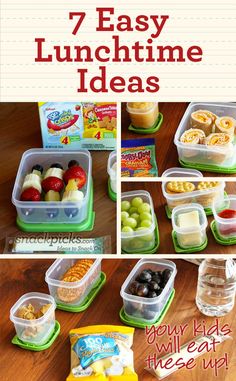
(130, 222)
(124, 215)
(133, 210)
(135, 216)
(125, 205)
(145, 207)
(136, 202)
(145, 216)
(146, 223)
(146, 237)
(127, 229)
(136, 244)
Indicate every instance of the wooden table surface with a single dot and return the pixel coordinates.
(166, 152)
(165, 226)
(24, 276)
(20, 131)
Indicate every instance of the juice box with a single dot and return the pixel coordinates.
(76, 125)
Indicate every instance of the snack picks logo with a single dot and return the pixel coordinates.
(119, 50)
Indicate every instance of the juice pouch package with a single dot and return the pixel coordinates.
(102, 353)
(100, 122)
(61, 124)
(138, 158)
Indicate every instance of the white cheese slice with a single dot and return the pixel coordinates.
(189, 219)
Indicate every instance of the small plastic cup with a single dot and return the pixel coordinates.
(192, 236)
(143, 114)
(112, 172)
(226, 226)
(36, 331)
(71, 293)
(147, 309)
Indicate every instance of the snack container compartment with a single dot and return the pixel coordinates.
(204, 197)
(142, 240)
(226, 226)
(36, 331)
(54, 212)
(143, 117)
(147, 309)
(111, 171)
(200, 153)
(71, 293)
(189, 237)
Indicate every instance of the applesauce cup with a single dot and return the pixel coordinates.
(143, 114)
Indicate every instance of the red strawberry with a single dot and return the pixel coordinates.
(77, 173)
(52, 183)
(77, 107)
(30, 194)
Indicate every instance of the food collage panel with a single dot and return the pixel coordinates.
(118, 241)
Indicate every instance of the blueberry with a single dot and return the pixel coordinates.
(142, 290)
(157, 277)
(153, 286)
(52, 212)
(27, 212)
(72, 163)
(149, 315)
(37, 167)
(144, 277)
(166, 274)
(133, 287)
(71, 212)
(151, 294)
(56, 165)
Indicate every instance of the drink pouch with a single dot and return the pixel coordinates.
(138, 158)
(102, 353)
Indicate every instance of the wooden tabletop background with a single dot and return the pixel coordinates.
(166, 151)
(165, 226)
(22, 276)
(20, 131)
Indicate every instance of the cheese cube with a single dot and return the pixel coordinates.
(189, 220)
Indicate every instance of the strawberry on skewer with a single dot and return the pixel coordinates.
(52, 185)
(32, 189)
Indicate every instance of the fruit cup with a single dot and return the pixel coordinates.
(193, 235)
(37, 214)
(224, 211)
(36, 331)
(147, 309)
(143, 114)
(138, 222)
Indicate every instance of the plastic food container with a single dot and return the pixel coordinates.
(147, 309)
(139, 241)
(111, 171)
(143, 114)
(56, 212)
(190, 236)
(36, 331)
(74, 292)
(226, 226)
(199, 153)
(204, 197)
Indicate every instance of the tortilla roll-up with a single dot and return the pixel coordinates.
(222, 145)
(225, 124)
(203, 120)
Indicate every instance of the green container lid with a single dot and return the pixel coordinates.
(219, 239)
(50, 227)
(179, 249)
(111, 194)
(38, 348)
(89, 298)
(150, 130)
(139, 324)
(154, 249)
(209, 167)
(208, 211)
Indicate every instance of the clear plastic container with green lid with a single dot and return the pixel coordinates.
(143, 114)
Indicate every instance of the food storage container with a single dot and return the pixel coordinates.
(204, 197)
(53, 212)
(139, 241)
(200, 153)
(73, 293)
(36, 331)
(224, 211)
(112, 171)
(147, 309)
(143, 114)
(192, 236)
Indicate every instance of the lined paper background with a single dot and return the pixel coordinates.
(210, 24)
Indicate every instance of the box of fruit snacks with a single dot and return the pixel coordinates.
(76, 125)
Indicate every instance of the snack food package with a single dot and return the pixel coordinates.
(71, 125)
(102, 353)
(138, 158)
